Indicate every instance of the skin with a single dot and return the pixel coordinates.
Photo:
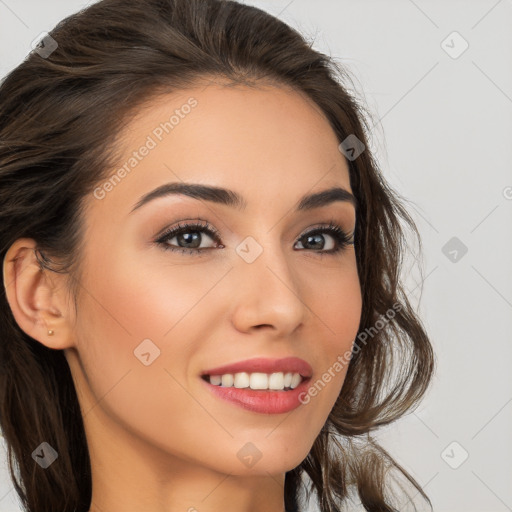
(158, 440)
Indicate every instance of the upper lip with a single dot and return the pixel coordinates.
(265, 365)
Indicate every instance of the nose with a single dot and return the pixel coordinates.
(267, 293)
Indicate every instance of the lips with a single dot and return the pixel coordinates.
(264, 365)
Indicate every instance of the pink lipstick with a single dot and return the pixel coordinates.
(279, 383)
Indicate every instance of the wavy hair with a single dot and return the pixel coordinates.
(60, 112)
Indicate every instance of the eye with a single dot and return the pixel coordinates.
(316, 238)
(190, 236)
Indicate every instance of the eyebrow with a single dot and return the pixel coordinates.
(235, 200)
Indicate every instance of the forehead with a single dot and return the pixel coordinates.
(259, 141)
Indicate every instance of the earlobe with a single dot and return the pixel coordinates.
(35, 300)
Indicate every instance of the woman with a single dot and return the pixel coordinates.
(201, 269)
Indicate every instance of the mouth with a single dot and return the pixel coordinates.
(257, 381)
(259, 392)
(261, 385)
(260, 373)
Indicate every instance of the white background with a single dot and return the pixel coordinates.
(445, 144)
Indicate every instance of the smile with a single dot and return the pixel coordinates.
(262, 385)
(278, 381)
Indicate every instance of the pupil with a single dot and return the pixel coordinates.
(319, 240)
(193, 239)
(188, 237)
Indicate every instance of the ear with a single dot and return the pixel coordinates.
(37, 297)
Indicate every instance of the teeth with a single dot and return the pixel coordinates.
(241, 380)
(258, 381)
(295, 380)
(227, 380)
(278, 381)
(216, 380)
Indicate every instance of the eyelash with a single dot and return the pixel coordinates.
(340, 236)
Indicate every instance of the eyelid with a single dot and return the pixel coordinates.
(333, 228)
(186, 223)
(195, 222)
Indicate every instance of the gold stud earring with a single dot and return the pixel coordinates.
(50, 333)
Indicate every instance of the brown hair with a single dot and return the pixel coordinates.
(60, 112)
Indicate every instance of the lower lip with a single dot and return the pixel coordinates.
(265, 402)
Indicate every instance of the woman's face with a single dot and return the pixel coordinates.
(156, 312)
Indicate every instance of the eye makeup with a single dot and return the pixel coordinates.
(185, 229)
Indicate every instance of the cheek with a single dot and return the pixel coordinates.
(337, 301)
(137, 301)
(338, 313)
(135, 313)
(128, 304)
